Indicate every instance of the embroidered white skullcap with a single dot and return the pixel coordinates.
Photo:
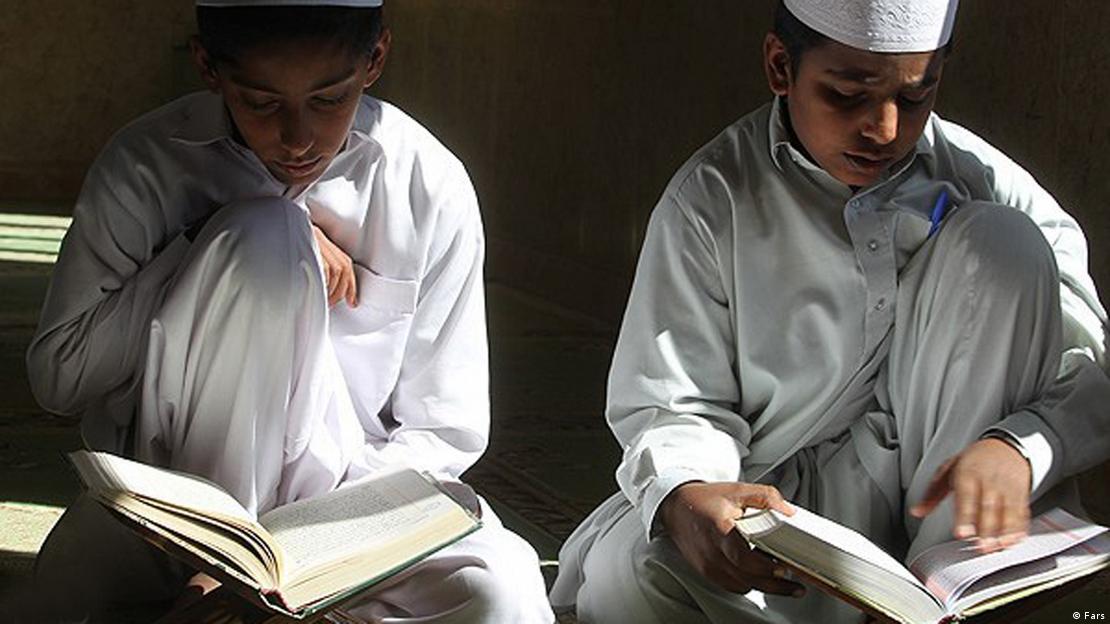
(252, 3)
(880, 25)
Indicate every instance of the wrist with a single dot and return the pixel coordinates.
(1009, 441)
(1005, 442)
(675, 505)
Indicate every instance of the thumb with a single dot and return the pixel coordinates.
(762, 497)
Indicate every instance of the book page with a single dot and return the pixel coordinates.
(104, 472)
(847, 541)
(1089, 555)
(949, 568)
(845, 563)
(320, 530)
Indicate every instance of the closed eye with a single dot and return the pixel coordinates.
(329, 101)
(845, 98)
(260, 106)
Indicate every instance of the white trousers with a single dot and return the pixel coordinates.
(242, 386)
(976, 335)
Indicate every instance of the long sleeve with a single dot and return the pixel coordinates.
(110, 274)
(440, 403)
(673, 386)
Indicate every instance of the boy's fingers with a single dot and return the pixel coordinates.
(351, 288)
(1011, 527)
(966, 491)
(1014, 522)
(989, 515)
(727, 576)
(770, 576)
(781, 587)
(749, 569)
(337, 287)
(1012, 539)
(352, 285)
(762, 497)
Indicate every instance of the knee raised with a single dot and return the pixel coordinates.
(261, 241)
(1001, 241)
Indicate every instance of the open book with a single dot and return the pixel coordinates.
(947, 582)
(298, 558)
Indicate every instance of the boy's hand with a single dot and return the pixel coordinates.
(700, 518)
(339, 270)
(199, 585)
(990, 480)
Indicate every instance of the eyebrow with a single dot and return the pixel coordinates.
(319, 86)
(865, 77)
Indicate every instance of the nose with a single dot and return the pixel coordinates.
(881, 123)
(296, 133)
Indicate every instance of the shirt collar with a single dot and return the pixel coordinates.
(782, 151)
(204, 121)
(366, 118)
(779, 136)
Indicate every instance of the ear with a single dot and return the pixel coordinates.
(776, 63)
(204, 64)
(376, 64)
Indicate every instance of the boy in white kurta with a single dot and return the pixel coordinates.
(278, 286)
(846, 302)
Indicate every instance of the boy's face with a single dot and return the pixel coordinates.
(854, 112)
(293, 102)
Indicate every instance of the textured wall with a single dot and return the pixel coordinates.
(73, 71)
(571, 116)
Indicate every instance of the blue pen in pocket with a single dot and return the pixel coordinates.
(939, 210)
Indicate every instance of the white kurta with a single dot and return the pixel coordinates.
(398, 202)
(212, 350)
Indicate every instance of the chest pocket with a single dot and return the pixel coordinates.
(370, 341)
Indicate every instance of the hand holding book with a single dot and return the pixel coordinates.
(700, 519)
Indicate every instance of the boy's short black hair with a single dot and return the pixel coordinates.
(795, 36)
(798, 38)
(227, 32)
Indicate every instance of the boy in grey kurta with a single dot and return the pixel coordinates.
(846, 302)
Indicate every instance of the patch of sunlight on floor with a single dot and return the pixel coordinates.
(23, 526)
(31, 238)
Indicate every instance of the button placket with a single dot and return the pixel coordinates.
(871, 231)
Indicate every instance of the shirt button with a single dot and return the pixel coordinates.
(872, 244)
(880, 304)
(854, 203)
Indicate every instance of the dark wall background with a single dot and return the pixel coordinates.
(571, 116)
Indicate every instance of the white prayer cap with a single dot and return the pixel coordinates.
(258, 3)
(880, 25)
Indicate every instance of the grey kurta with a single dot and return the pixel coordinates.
(735, 347)
(757, 345)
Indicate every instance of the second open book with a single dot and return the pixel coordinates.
(947, 582)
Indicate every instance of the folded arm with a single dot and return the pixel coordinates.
(106, 285)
